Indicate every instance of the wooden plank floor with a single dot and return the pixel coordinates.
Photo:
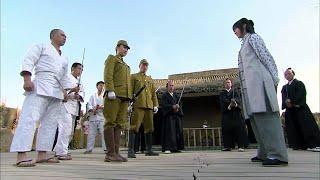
(198, 165)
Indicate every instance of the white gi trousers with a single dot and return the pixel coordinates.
(95, 126)
(65, 129)
(37, 108)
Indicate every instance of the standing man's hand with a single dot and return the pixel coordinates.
(28, 84)
(81, 113)
(129, 109)
(77, 97)
(176, 108)
(75, 89)
(155, 110)
(65, 96)
(288, 103)
(111, 95)
(233, 103)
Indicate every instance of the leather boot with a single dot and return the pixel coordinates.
(111, 155)
(131, 153)
(149, 151)
(117, 134)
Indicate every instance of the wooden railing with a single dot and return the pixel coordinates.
(202, 137)
(193, 137)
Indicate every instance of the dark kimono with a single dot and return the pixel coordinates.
(301, 127)
(232, 123)
(172, 130)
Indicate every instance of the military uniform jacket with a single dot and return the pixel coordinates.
(148, 97)
(117, 77)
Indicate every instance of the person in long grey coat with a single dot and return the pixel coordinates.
(259, 80)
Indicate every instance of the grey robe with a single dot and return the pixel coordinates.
(258, 76)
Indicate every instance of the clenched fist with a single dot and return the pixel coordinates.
(28, 86)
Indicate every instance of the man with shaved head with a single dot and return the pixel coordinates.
(302, 129)
(172, 128)
(43, 102)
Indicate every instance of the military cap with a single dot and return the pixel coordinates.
(143, 61)
(124, 43)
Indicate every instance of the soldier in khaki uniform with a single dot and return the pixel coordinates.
(144, 107)
(118, 94)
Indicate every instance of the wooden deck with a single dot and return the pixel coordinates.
(200, 165)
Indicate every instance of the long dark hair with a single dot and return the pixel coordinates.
(244, 21)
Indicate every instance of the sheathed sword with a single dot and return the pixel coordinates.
(135, 96)
(133, 100)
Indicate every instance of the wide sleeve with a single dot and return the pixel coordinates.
(31, 58)
(165, 105)
(65, 81)
(237, 99)
(284, 97)
(91, 103)
(300, 94)
(224, 101)
(264, 56)
(81, 92)
(108, 73)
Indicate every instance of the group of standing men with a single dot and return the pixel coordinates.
(53, 98)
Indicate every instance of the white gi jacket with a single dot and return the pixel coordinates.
(72, 105)
(50, 70)
(93, 102)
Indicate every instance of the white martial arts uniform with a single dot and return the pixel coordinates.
(43, 104)
(70, 110)
(96, 122)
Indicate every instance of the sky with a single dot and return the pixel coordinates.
(175, 36)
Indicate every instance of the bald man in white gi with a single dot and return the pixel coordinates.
(43, 101)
